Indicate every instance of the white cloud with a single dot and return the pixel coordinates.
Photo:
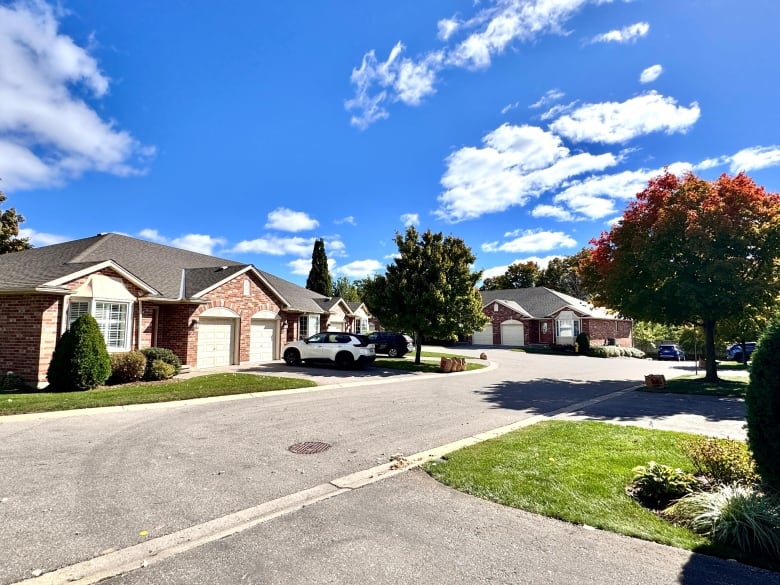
(276, 246)
(492, 29)
(38, 239)
(360, 268)
(552, 211)
(201, 243)
(447, 27)
(287, 220)
(651, 74)
(48, 133)
(349, 219)
(614, 122)
(558, 109)
(410, 219)
(516, 164)
(301, 266)
(532, 241)
(627, 34)
(510, 107)
(755, 158)
(494, 271)
(550, 96)
(292, 246)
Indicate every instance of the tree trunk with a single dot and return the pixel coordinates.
(709, 352)
(418, 350)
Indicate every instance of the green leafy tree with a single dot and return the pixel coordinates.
(563, 275)
(9, 230)
(80, 360)
(319, 276)
(518, 275)
(347, 290)
(763, 406)
(747, 327)
(429, 290)
(690, 251)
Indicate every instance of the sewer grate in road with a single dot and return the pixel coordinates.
(308, 447)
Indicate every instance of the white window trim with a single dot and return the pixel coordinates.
(312, 326)
(128, 324)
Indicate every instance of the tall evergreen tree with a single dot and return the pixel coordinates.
(319, 276)
(9, 230)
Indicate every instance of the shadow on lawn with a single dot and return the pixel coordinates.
(546, 395)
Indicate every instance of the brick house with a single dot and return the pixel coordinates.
(542, 316)
(210, 311)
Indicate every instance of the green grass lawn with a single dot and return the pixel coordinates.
(144, 392)
(574, 471)
(735, 387)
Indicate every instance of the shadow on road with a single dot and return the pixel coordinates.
(706, 570)
(322, 371)
(545, 395)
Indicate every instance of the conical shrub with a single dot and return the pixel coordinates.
(80, 360)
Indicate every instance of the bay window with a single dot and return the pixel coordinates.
(113, 319)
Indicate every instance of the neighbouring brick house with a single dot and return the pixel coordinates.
(210, 311)
(541, 316)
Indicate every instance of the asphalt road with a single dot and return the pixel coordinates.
(78, 487)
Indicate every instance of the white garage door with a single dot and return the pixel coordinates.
(483, 337)
(261, 342)
(512, 334)
(215, 342)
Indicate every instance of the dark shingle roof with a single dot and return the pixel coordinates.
(300, 299)
(541, 302)
(155, 264)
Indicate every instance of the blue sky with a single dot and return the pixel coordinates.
(248, 129)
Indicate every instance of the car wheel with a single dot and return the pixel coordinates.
(292, 357)
(392, 352)
(345, 360)
(738, 357)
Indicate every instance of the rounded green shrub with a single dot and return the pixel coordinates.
(127, 366)
(763, 406)
(10, 382)
(722, 461)
(160, 370)
(163, 354)
(656, 485)
(80, 360)
(583, 343)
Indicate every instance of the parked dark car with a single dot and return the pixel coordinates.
(734, 352)
(392, 343)
(670, 351)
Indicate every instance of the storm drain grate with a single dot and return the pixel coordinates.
(308, 447)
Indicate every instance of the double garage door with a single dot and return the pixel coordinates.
(217, 338)
(512, 333)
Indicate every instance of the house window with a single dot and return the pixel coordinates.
(308, 325)
(113, 319)
(567, 327)
(361, 326)
(247, 290)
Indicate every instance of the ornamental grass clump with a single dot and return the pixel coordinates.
(740, 517)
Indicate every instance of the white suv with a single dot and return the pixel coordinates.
(343, 349)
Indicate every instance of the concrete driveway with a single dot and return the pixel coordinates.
(81, 487)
